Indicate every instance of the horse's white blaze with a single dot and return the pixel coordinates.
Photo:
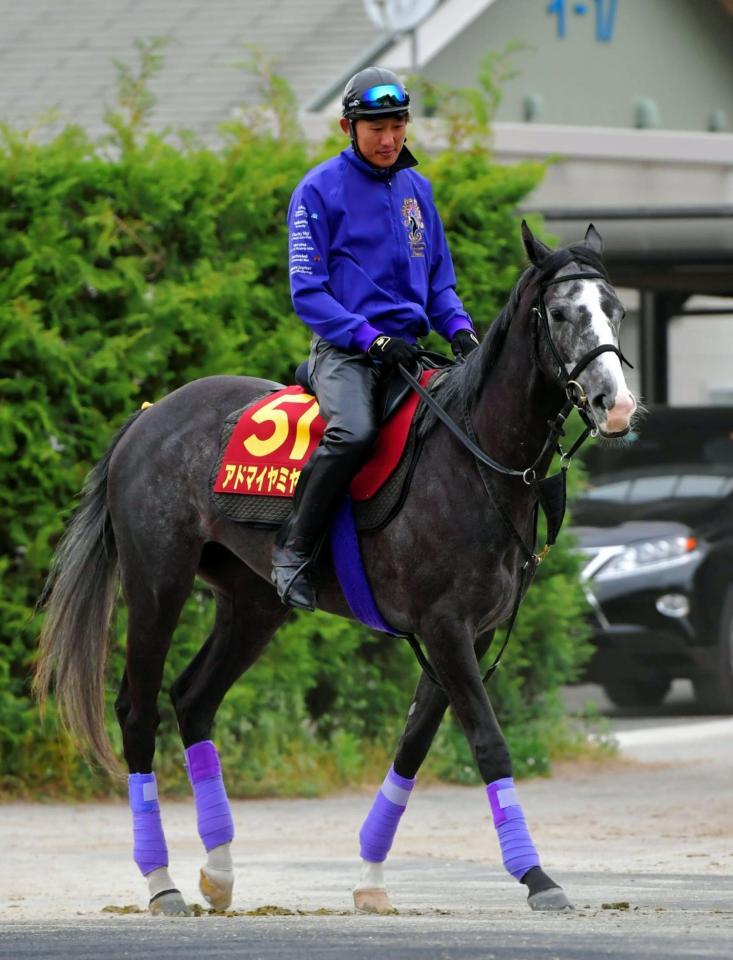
(623, 406)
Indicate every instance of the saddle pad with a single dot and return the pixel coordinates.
(264, 447)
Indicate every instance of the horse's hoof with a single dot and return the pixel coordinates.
(170, 903)
(216, 887)
(552, 899)
(373, 900)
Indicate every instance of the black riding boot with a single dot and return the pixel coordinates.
(346, 385)
(322, 482)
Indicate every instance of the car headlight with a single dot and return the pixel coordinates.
(659, 552)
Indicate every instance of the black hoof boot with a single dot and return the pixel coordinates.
(291, 578)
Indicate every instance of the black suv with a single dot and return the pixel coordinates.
(656, 524)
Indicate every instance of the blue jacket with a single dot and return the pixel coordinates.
(368, 254)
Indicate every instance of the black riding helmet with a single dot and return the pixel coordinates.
(371, 94)
(374, 92)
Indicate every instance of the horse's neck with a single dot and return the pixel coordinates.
(513, 406)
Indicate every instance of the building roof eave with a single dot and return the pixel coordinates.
(397, 51)
(613, 143)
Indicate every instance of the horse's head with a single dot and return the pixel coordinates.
(577, 318)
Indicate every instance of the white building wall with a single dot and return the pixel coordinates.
(701, 356)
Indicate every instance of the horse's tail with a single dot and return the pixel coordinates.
(79, 598)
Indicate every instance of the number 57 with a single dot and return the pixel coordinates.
(271, 413)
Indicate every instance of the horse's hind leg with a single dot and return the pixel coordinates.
(378, 831)
(248, 613)
(154, 603)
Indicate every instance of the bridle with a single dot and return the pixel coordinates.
(574, 392)
(549, 491)
(576, 397)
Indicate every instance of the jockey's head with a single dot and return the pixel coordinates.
(375, 115)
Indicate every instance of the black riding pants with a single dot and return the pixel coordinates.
(346, 386)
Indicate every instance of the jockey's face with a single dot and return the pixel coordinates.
(380, 140)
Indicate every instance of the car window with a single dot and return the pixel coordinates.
(638, 488)
(652, 488)
(704, 486)
(674, 452)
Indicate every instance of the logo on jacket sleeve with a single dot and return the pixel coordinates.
(415, 226)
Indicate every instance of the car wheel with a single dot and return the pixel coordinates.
(714, 687)
(634, 692)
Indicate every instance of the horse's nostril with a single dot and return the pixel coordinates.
(600, 401)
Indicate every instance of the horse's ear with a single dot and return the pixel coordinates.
(593, 239)
(536, 249)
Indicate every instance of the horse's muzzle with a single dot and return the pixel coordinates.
(617, 420)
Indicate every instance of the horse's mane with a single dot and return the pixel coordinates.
(464, 381)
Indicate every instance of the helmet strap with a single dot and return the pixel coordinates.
(354, 144)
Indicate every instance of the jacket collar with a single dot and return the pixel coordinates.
(403, 162)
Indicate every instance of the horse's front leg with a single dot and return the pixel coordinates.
(378, 831)
(451, 651)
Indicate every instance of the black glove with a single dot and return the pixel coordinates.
(463, 343)
(391, 350)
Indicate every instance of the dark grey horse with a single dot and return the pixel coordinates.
(447, 568)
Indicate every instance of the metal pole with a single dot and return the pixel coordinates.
(653, 335)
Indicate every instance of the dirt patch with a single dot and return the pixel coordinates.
(669, 816)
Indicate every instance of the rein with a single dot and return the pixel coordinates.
(550, 491)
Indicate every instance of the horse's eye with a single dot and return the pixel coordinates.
(557, 314)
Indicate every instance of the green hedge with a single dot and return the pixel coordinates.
(131, 266)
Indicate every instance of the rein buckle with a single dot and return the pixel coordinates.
(576, 394)
(539, 557)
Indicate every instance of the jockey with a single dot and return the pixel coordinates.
(370, 272)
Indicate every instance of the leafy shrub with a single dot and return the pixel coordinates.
(132, 266)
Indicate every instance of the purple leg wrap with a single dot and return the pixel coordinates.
(517, 850)
(149, 847)
(213, 813)
(380, 826)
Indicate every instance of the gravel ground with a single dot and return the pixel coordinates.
(663, 808)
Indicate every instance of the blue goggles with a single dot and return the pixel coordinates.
(384, 95)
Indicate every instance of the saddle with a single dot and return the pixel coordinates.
(264, 446)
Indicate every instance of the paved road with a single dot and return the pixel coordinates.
(678, 707)
(667, 916)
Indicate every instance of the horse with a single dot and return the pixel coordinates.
(448, 567)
